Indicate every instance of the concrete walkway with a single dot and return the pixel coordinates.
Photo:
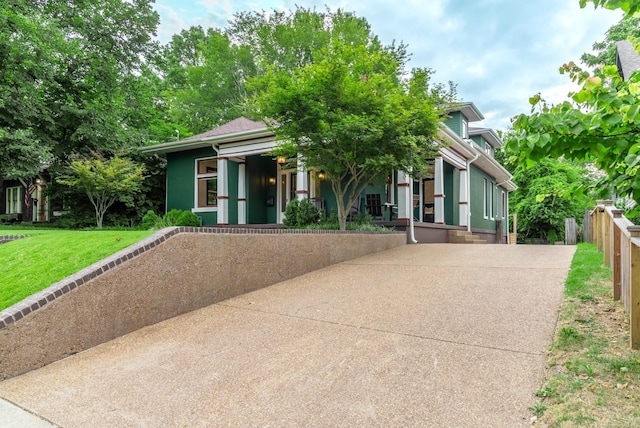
(424, 335)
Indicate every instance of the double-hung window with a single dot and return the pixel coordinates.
(206, 183)
(14, 200)
(488, 149)
(485, 199)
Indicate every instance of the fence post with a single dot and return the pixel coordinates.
(617, 267)
(586, 226)
(606, 234)
(570, 231)
(598, 225)
(634, 284)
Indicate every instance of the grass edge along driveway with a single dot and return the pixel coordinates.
(46, 256)
(593, 375)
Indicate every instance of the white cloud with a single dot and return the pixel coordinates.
(499, 52)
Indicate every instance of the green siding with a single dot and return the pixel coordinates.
(479, 141)
(477, 200)
(454, 122)
(181, 181)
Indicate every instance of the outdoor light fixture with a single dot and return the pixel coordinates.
(281, 160)
(321, 175)
(272, 180)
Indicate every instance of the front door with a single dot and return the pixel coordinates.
(429, 200)
(286, 191)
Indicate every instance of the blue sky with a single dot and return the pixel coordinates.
(499, 52)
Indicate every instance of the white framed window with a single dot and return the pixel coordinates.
(14, 200)
(465, 128)
(488, 149)
(206, 183)
(492, 201)
(485, 200)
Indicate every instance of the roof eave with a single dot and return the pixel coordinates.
(198, 143)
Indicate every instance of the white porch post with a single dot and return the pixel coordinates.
(242, 197)
(464, 199)
(438, 191)
(302, 181)
(223, 192)
(405, 197)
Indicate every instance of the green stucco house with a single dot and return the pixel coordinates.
(227, 177)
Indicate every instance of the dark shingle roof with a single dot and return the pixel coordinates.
(240, 124)
(627, 59)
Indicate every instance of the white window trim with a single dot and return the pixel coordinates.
(465, 129)
(504, 204)
(484, 199)
(492, 201)
(10, 202)
(196, 208)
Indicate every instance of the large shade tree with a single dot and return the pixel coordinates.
(73, 79)
(351, 113)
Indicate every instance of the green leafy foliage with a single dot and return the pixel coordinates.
(549, 192)
(301, 213)
(174, 217)
(630, 7)
(351, 112)
(105, 181)
(598, 125)
(605, 51)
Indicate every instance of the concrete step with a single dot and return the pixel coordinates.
(464, 237)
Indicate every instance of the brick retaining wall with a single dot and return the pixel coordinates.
(172, 272)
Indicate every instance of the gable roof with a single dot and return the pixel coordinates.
(488, 134)
(627, 59)
(468, 110)
(240, 129)
(240, 124)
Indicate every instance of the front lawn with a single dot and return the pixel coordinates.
(47, 256)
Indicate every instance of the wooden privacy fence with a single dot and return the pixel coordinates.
(619, 241)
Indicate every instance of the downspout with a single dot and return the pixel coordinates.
(506, 210)
(469, 190)
(412, 233)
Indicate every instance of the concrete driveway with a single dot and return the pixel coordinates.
(423, 335)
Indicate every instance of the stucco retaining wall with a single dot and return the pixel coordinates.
(175, 271)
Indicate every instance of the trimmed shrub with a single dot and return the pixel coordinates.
(301, 213)
(174, 217)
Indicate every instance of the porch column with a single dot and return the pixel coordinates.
(242, 197)
(464, 199)
(438, 215)
(405, 197)
(302, 181)
(223, 192)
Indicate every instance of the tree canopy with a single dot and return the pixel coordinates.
(105, 181)
(351, 114)
(72, 79)
(598, 123)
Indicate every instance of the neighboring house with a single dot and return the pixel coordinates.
(627, 59)
(24, 199)
(228, 177)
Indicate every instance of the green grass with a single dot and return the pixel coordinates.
(593, 377)
(49, 255)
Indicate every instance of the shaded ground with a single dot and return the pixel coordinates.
(425, 335)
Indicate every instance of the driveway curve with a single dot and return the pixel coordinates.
(435, 335)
